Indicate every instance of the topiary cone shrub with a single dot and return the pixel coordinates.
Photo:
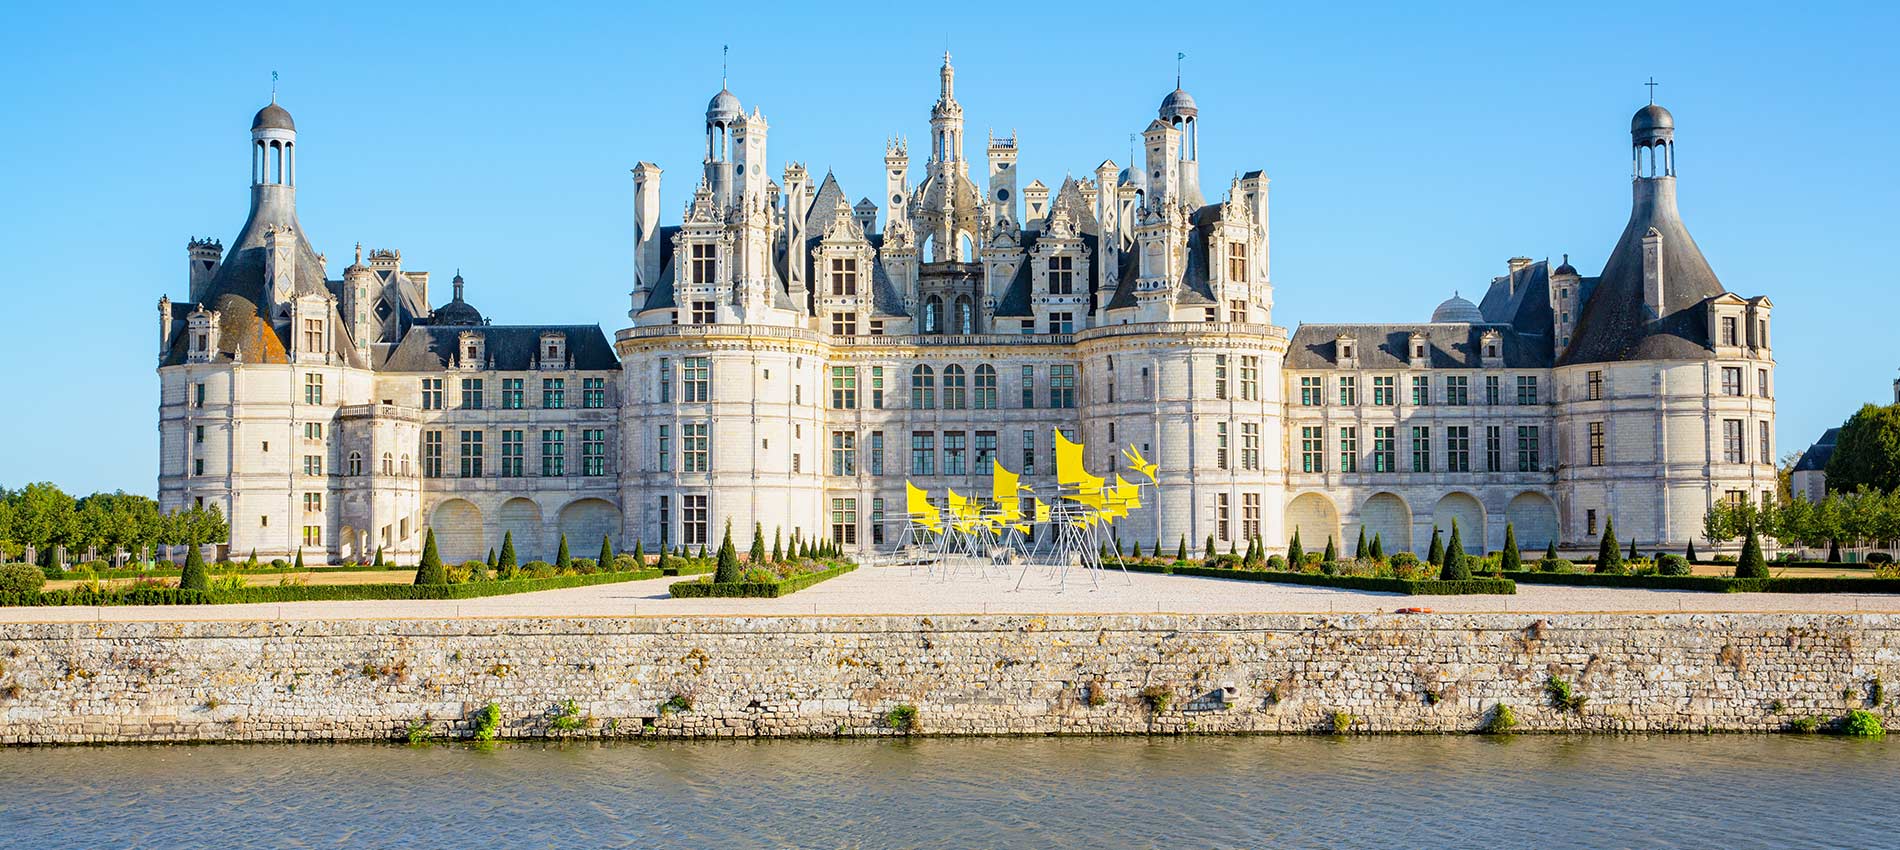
(1435, 554)
(756, 557)
(430, 570)
(1457, 565)
(561, 559)
(1752, 564)
(606, 558)
(193, 577)
(1609, 560)
(728, 570)
(506, 567)
(1512, 559)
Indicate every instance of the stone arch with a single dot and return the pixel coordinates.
(1534, 520)
(1314, 516)
(1465, 509)
(1388, 517)
(522, 518)
(458, 531)
(347, 547)
(584, 521)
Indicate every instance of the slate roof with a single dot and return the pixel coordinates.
(1521, 299)
(1615, 324)
(1816, 457)
(1195, 290)
(510, 348)
(1383, 346)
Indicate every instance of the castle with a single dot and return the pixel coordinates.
(793, 358)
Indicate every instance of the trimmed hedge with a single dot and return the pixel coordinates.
(687, 567)
(1717, 584)
(755, 590)
(216, 570)
(315, 593)
(1468, 587)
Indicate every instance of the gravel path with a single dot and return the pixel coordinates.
(894, 590)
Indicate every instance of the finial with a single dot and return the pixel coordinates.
(1652, 90)
(273, 87)
(1566, 259)
(359, 253)
(724, 51)
(1178, 56)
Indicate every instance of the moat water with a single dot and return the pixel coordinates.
(1733, 791)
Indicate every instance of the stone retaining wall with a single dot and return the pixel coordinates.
(368, 679)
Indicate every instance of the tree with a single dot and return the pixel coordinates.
(1180, 551)
(193, 577)
(1834, 551)
(1295, 556)
(1867, 451)
(1752, 565)
(1691, 553)
(728, 568)
(1512, 560)
(1609, 560)
(1550, 551)
(639, 555)
(299, 562)
(606, 558)
(661, 563)
(757, 555)
(1457, 566)
(702, 550)
(1210, 547)
(507, 564)
(1233, 547)
(1633, 554)
(1435, 554)
(778, 550)
(1359, 549)
(1332, 554)
(1137, 551)
(250, 563)
(430, 571)
(561, 559)
(379, 557)
(1378, 545)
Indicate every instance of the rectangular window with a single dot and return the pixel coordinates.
(198, 433)
(666, 381)
(1222, 514)
(313, 464)
(844, 521)
(1421, 448)
(1249, 377)
(844, 324)
(1732, 441)
(1593, 385)
(1220, 445)
(703, 313)
(1384, 452)
(471, 394)
(1596, 444)
(1062, 323)
(666, 521)
(1312, 449)
(1061, 275)
(593, 452)
(432, 454)
(1220, 376)
(844, 387)
(197, 395)
(1236, 261)
(1492, 393)
(1384, 393)
(1249, 445)
(1421, 391)
(313, 535)
(877, 452)
(877, 387)
(985, 387)
(985, 446)
(312, 502)
(1731, 380)
(553, 393)
(197, 466)
(1349, 450)
(511, 453)
(953, 456)
(665, 440)
(1764, 454)
(696, 379)
(593, 393)
(1527, 389)
(695, 447)
(923, 453)
(511, 393)
(1590, 521)
(1029, 387)
(877, 521)
(1493, 448)
(1237, 310)
(1312, 392)
(844, 453)
(1457, 390)
(1029, 451)
(553, 452)
(1349, 391)
(1729, 334)
(471, 454)
(1761, 382)
(1062, 387)
(1529, 457)
(704, 259)
(693, 519)
(1250, 515)
(312, 389)
(844, 276)
(313, 334)
(1458, 448)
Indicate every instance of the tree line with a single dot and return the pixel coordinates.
(1865, 517)
(43, 516)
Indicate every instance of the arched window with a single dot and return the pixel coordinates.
(933, 315)
(966, 249)
(966, 315)
(985, 387)
(923, 388)
(389, 464)
(405, 465)
(956, 395)
(356, 463)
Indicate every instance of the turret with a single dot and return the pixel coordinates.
(797, 210)
(646, 229)
(1002, 192)
(896, 175)
(164, 325)
(748, 145)
(946, 118)
(721, 113)
(865, 214)
(1179, 112)
(204, 255)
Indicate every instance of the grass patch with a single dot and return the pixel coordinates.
(1861, 723)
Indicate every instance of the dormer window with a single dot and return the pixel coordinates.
(313, 334)
(1237, 261)
(844, 277)
(1061, 275)
(704, 260)
(1729, 331)
(474, 350)
(1346, 352)
(553, 350)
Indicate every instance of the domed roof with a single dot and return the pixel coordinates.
(1129, 176)
(1566, 268)
(1652, 117)
(457, 312)
(273, 117)
(724, 106)
(1456, 309)
(1178, 102)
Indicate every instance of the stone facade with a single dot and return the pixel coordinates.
(794, 357)
(965, 675)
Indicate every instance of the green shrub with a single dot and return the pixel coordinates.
(1343, 722)
(1563, 697)
(486, 722)
(1510, 559)
(194, 577)
(745, 589)
(761, 575)
(1556, 565)
(1751, 565)
(728, 570)
(902, 718)
(1457, 564)
(1158, 697)
(430, 571)
(416, 733)
(1804, 725)
(20, 579)
(539, 569)
(583, 566)
(1861, 723)
(1501, 720)
(227, 584)
(1879, 558)
(275, 564)
(568, 717)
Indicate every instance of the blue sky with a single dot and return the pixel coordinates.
(1412, 151)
